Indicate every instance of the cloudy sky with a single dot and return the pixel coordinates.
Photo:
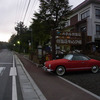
(13, 11)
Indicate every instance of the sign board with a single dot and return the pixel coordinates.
(68, 41)
(71, 38)
(70, 34)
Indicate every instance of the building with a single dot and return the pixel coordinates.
(85, 19)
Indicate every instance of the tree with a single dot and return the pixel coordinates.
(40, 31)
(20, 28)
(23, 36)
(52, 15)
(55, 13)
(55, 10)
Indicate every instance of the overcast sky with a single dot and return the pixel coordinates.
(13, 11)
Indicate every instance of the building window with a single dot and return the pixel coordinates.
(97, 29)
(85, 14)
(97, 11)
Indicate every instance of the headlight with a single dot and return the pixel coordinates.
(45, 63)
(49, 65)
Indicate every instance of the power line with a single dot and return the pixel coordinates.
(32, 8)
(17, 11)
(20, 6)
(23, 8)
(26, 10)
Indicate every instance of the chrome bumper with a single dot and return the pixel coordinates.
(46, 69)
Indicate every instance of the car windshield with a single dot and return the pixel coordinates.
(80, 57)
(69, 57)
(76, 57)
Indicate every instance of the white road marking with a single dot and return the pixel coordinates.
(14, 89)
(5, 63)
(2, 70)
(94, 95)
(13, 73)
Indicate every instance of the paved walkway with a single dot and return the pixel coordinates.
(29, 89)
(52, 87)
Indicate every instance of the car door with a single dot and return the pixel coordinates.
(78, 63)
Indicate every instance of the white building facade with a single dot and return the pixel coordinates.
(84, 21)
(86, 16)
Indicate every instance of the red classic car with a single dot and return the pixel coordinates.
(72, 62)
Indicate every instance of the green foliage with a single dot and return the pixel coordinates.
(41, 32)
(55, 10)
(23, 35)
(52, 15)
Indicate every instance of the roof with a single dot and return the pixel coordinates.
(85, 3)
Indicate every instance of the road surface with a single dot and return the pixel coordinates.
(9, 81)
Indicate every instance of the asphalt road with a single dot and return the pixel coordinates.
(86, 80)
(53, 87)
(6, 80)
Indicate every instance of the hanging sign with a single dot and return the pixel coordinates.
(71, 38)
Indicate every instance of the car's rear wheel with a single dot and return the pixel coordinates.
(95, 69)
(60, 70)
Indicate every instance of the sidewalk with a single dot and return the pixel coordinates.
(53, 87)
(30, 91)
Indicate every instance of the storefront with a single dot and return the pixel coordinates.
(69, 41)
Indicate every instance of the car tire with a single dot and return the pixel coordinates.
(95, 69)
(60, 70)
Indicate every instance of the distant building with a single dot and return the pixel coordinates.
(85, 19)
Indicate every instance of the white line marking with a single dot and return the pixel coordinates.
(94, 95)
(2, 70)
(14, 87)
(5, 63)
(13, 71)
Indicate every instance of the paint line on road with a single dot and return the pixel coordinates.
(5, 63)
(14, 89)
(94, 95)
(13, 61)
(2, 70)
(13, 73)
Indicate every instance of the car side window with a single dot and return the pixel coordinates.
(76, 58)
(79, 58)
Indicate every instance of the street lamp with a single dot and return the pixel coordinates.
(14, 45)
(18, 42)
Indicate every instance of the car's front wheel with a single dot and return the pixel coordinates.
(60, 70)
(95, 69)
